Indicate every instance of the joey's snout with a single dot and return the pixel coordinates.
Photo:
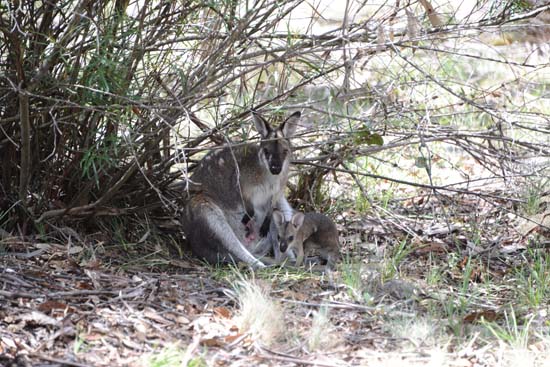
(283, 246)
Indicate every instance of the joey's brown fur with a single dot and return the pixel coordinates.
(305, 233)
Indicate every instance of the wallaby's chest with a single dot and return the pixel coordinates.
(240, 181)
(263, 191)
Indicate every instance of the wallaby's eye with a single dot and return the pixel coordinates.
(266, 153)
(291, 238)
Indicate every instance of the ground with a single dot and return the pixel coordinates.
(409, 290)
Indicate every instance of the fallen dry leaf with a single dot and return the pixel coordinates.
(212, 342)
(294, 295)
(38, 318)
(153, 315)
(429, 247)
(231, 338)
(51, 306)
(223, 312)
(487, 315)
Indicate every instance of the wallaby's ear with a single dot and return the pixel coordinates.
(261, 124)
(290, 124)
(278, 218)
(298, 219)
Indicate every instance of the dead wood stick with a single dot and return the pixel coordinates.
(58, 212)
(65, 294)
(63, 362)
(297, 360)
(268, 354)
(8, 294)
(24, 174)
(25, 255)
(344, 306)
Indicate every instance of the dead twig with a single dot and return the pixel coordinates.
(61, 361)
(268, 354)
(25, 147)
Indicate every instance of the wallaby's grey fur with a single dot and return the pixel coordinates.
(239, 187)
(304, 233)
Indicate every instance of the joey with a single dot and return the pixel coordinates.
(306, 233)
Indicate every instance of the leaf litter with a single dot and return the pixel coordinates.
(57, 310)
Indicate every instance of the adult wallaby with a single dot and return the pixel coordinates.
(238, 187)
(306, 232)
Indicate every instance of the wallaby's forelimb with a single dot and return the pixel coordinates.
(264, 229)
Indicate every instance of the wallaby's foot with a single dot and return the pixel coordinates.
(273, 262)
(313, 264)
(314, 268)
(258, 265)
(319, 265)
(270, 261)
(254, 266)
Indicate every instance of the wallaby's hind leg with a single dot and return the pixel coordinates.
(210, 235)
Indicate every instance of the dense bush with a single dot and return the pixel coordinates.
(104, 104)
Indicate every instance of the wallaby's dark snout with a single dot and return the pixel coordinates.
(276, 153)
(273, 157)
(275, 168)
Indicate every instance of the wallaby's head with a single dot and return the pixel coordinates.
(275, 144)
(287, 231)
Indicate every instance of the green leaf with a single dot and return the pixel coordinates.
(366, 137)
(421, 162)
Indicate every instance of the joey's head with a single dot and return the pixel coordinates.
(275, 148)
(287, 231)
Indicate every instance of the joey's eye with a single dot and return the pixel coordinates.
(291, 238)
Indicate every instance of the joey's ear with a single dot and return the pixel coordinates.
(298, 219)
(261, 124)
(290, 124)
(278, 218)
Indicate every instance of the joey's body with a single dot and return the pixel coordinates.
(306, 233)
(238, 187)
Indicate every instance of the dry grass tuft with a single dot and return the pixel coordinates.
(321, 334)
(510, 357)
(420, 331)
(259, 314)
